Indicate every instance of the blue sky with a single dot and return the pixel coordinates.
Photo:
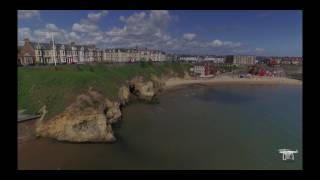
(276, 33)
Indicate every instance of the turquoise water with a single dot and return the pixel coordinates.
(199, 127)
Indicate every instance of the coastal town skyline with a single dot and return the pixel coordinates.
(260, 33)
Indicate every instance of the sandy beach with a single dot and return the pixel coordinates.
(174, 82)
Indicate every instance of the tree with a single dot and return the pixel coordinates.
(253, 70)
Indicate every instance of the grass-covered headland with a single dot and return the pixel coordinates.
(58, 87)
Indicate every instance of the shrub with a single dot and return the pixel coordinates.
(143, 63)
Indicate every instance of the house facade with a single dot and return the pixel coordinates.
(188, 58)
(241, 60)
(214, 59)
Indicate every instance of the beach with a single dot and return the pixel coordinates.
(174, 82)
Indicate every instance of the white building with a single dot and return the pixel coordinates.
(200, 70)
(189, 58)
(214, 59)
(241, 59)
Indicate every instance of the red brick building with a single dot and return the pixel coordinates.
(27, 53)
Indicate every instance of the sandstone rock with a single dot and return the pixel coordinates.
(158, 83)
(82, 121)
(144, 90)
(88, 125)
(108, 103)
(123, 95)
(113, 112)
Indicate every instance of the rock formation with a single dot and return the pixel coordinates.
(158, 83)
(89, 118)
(88, 125)
(113, 112)
(82, 121)
(143, 90)
(123, 95)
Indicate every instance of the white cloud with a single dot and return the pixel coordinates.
(160, 17)
(218, 43)
(146, 29)
(232, 44)
(27, 14)
(52, 27)
(72, 36)
(97, 16)
(89, 24)
(189, 36)
(45, 34)
(135, 18)
(84, 27)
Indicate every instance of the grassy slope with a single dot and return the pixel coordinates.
(38, 86)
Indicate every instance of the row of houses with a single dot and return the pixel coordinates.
(213, 59)
(282, 60)
(51, 53)
(242, 59)
(231, 59)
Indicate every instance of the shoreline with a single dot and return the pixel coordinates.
(176, 82)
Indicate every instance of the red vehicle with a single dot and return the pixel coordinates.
(262, 72)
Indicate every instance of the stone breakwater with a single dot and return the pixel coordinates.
(90, 117)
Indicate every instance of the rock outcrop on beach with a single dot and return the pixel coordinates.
(83, 121)
(143, 90)
(158, 83)
(124, 95)
(88, 126)
(113, 112)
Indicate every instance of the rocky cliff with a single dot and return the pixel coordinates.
(90, 117)
(146, 89)
(123, 95)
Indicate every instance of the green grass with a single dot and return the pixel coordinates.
(38, 86)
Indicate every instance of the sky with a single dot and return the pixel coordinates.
(216, 32)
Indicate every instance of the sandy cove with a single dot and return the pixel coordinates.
(173, 82)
